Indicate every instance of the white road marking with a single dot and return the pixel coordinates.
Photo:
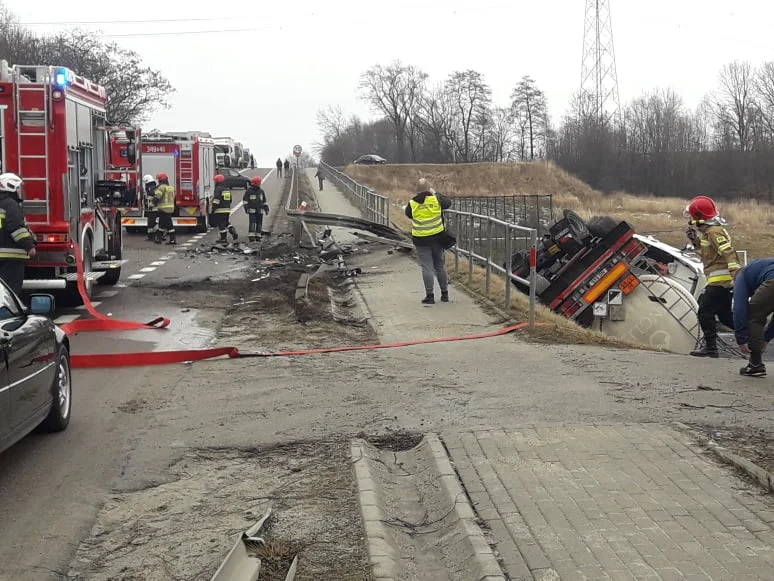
(107, 294)
(94, 304)
(136, 276)
(122, 285)
(148, 269)
(158, 263)
(235, 208)
(66, 319)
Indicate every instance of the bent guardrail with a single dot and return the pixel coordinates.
(491, 243)
(375, 207)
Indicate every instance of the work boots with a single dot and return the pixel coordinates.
(233, 232)
(159, 237)
(709, 349)
(172, 239)
(223, 240)
(429, 299)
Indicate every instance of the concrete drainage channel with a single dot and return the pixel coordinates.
(418, 520)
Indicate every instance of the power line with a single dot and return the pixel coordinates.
(89, 22)
(179, 33)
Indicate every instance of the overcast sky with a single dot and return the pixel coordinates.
(264, 86)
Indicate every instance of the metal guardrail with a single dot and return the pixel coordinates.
(375, 207)
(530, 210)
(491, 242)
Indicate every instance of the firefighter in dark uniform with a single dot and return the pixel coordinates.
(287, 168)
(707, 233)
(151, 206)
(165, 200)
(17, 244)
(254, 204)
(221, 210)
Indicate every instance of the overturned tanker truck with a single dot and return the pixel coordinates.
(604, 276)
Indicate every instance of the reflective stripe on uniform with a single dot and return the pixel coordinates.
(720, 276)
(20, 233)
(17, 253)
(222, 211)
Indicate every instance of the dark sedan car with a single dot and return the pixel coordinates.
(369, 159)
(234, 179)
(35, 380)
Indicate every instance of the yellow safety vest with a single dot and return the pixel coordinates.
(165, 194)
(427, 217)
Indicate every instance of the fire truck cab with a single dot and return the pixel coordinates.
(188, 159)
(53, 135)
(123, 169)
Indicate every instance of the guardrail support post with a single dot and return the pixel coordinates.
(532, 276)
(508, 254)
(489, 228)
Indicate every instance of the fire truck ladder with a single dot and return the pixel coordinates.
(688, 320)
(186, 169)
(34, 118)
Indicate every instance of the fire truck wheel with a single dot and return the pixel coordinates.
(203, 222)
(112, 275)
(71, 296)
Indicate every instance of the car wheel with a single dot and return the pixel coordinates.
(62, 391)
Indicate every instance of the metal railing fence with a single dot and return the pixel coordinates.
(375, 207)
(528, 210)
(491, 243)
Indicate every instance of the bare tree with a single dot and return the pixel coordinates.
(502, 133)
(531, 107)
(395, 91)
(471, 97)
(331, 122)
(734, 103)
(764, 89)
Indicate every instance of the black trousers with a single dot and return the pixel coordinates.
(761, 306)
(715, 302)
(165, 223)
(12, 272)
(255, 223)
(221, 221)
(153, 218)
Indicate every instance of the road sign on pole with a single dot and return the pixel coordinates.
(297, 150)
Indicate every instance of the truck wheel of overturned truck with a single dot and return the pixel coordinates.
(601, 226)
(112, 275)
(578, 227)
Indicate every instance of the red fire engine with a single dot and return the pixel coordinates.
(53, 135)
(189, 161)
(121, 166)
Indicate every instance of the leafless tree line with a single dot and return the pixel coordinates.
(134, 90)
(723, 148)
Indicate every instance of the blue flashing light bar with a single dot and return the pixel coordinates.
(62, 77)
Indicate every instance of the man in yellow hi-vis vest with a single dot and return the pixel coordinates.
(165, 202)
(425, 210)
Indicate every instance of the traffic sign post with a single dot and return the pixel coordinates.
(297, 151)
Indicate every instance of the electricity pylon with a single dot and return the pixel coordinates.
(599, 78)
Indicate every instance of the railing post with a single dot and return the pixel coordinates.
(469, 244)
(490, 225)
(457, 221)
(532, 276)
(508, 254)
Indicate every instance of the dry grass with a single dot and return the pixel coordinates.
(750, 222)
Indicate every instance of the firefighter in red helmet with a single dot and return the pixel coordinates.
(221, 210)
(706, 230)
(254, 203)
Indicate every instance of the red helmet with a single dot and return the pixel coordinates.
(219, 179)
(256, 181)
(701, 208)
(162, 176)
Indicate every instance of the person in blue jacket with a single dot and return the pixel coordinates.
(753, 303)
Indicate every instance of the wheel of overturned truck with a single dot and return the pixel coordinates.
(577, 225)
(601, 226)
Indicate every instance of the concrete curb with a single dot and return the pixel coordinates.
(763, 476)
(380, 551)
(474, 536)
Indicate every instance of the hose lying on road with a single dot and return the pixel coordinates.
(102, 322)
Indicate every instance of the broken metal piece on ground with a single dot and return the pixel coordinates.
(238, 564)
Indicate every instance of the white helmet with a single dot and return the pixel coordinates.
(146, 179)
(10, 182)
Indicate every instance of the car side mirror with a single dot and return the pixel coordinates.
(41, 304)
(131, 152)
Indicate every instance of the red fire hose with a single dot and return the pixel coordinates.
(102, 322)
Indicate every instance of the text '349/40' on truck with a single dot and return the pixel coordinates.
(54, 136)
(604, 276)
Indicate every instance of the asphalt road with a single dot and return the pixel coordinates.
(52, 486)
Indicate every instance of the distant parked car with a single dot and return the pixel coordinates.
(369, 159)
(234, 179)
(36, 387)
